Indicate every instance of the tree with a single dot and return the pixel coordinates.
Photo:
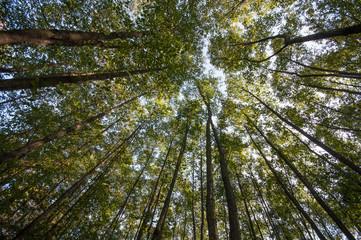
(110, 110)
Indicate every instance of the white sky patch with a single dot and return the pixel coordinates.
(211, 70)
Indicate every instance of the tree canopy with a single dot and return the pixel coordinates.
(182, 119)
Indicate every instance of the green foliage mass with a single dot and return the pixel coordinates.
(270, 94)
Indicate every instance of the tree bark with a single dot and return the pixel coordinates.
(309, 186)
(246, 207)
(343, 73)
(67, 78)
(202, 200)
(193, 213)
(255, 219)
(121, 209)
(158, 231)
(287, 192)
(11, 155)
(23, 233)
(332, 152)
(151, 201)
(154, 208)
(210, 202)
(265, 209)
(312, 37)
(39, 37)
(235, 232)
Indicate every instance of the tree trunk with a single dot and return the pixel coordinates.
(235, 232)
(151, 201)
(154, 208)
(67, 78)
(38, 37)
(121, 209)
(312, 37)
(255, 219)
(337, 155)
(88, 192)
(202, 201)
(246, 207)
(158, 231)
(344, 73)
(287, 192)
(11, 155)
(309, 187)
(193, 213)
(210, 201)
(22, 234)
(265, 209)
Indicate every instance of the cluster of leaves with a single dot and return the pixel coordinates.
(111, 170)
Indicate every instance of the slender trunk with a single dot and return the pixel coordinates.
(68, 78)
(193, 213)
(154, 211)
(287, 192)
(246, 207)
(255, 219)
(184, 225)
(235, 232)
(312, 37)
(89, 191)
(151, 201)
(326, 34)
(202, 201)
(337, 155)
(356, 75)
(158, 231)
(329, 88)
(38, 203)
(11, 155)
(265, 209)
(309, 187)
(23, 233)
(13, 99)
(210, 201)
(121, 209)
(40, 37)
(342, 172)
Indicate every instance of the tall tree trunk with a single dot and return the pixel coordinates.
(312, 37)
(265, 209)
(246, 207)
(309, 186)
(184, 225)
(11, 155)
(202, 199)
(158, 231)
(23, 233)
(67, 78)
(235, 232)
(210, 201)
(287, 192)
(40, 37)
(342, 171)
(151, 201)
(337, 155)
(121, 209)
(255, 219)
(88, 192)
(193, 213)
(154, 210)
